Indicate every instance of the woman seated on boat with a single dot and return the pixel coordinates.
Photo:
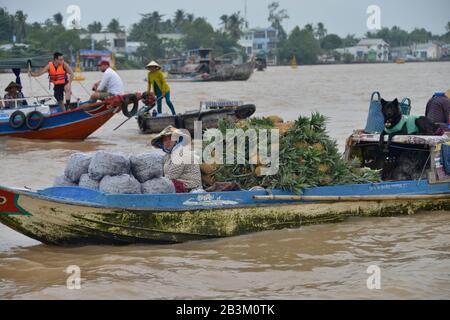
(13, 91)
(157, 84)
(185, 177)
(438, 109)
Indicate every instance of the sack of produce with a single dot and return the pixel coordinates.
(63, 181)
(123, 184)
(88, 183)
(77, 165)
(158, 186)
(147, 166)
(108, 164)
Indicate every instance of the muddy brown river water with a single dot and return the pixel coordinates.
(324, 261)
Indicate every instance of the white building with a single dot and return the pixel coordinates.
(259, 40)
(427, 51)
(368, 50)
(133, 46)
(114, 42)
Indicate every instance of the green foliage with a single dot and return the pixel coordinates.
(198, 34)
(349, 41)
(308, 158)
(276, 18)
(58, 18)
(331, 42)
(397, 37)
(6, 25)
(348, 58)
(320, 32)
(114, 26)
(233, 24)
(95, 27)
(302, 45)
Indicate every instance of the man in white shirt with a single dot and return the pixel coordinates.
(110, 85)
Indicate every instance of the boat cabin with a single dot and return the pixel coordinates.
(409, 157)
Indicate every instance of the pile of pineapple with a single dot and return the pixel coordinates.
(308, 158)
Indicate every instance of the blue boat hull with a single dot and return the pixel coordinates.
(76, 216)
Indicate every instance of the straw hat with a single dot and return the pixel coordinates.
(13, 84)
(447, 93)
(167, 132)
(153, 64)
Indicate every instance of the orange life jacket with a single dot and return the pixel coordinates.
(56, 75)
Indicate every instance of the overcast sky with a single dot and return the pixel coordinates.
(339, 16)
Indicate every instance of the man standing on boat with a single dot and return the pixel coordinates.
(61, 75)
(158, 83)
(110, 85)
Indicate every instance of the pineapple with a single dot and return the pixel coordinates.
(275, 119)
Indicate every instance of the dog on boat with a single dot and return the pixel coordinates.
(395, 123)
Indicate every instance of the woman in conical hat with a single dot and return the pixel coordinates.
(157, 84)
(185, 176)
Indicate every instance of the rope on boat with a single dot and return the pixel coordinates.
(443, 196)
(424, 169)
(84, 88)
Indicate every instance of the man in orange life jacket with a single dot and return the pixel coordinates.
(61, 76)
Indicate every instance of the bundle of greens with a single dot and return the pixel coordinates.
(308, 158)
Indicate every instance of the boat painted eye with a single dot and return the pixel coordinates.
(2, 201)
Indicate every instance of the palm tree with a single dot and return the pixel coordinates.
(20, 25)
(114, 26)
(58, 17)
(190, 17)
(95, 27)
(179, 19)
(224, 21)
(235, 24)
(276, 18)
(309, 27)
(321, 32)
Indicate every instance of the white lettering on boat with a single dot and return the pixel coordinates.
(208, 200)
(388, 186)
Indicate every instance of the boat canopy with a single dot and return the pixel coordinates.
(17, 64)
(22, 63)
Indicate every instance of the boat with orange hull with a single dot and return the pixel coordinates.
(39, 121)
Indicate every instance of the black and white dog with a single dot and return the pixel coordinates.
(397, 124)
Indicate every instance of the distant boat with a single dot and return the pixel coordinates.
(199, 66)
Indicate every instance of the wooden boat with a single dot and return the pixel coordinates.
(35, 119)
(207, 115)
(241, 72)
(40, 121)
(200, 66)
(77, 216)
